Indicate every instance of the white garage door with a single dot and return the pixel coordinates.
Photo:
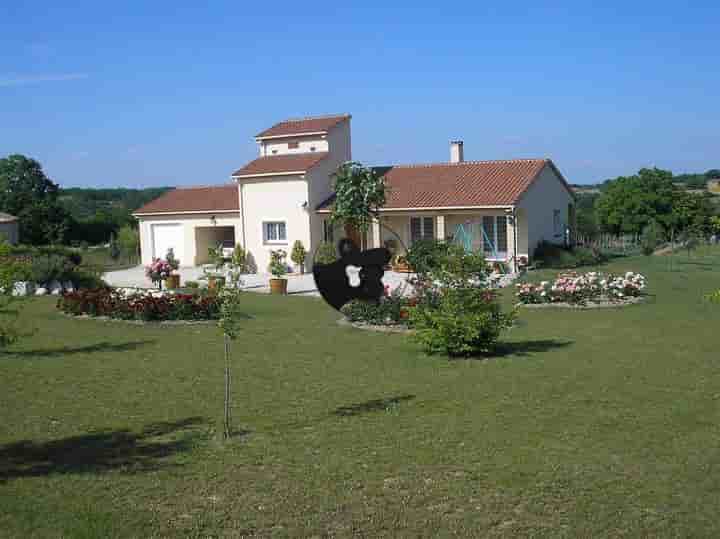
(168, 236)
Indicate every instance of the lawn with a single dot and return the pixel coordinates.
(586, 423)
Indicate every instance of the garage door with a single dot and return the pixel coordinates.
(168, 236)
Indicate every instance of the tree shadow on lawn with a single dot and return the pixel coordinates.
(103, 346)
(102, 451)
(375, 405)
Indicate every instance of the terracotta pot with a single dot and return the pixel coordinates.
(215, 283)
(172, 282)
(278, 286)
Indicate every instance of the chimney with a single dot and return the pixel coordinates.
(456, 151)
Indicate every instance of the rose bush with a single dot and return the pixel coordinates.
(578, 289)
(140, 305)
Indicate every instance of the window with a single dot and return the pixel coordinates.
(495, 241)
(328, 231)
(421, 228)
(293, 145)
(274, 232)
(557, 223)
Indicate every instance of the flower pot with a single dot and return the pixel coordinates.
(172, 282)
(278, 286)
(216, 283)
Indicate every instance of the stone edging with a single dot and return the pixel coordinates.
(140, 322)
(372, 327)
(590, 305)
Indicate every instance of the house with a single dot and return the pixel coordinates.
(9, 228)
(504, 208)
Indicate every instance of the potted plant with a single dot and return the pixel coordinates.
(278, 269)
(173, 280)
(298, 255)
(215, 279)
(158, 271)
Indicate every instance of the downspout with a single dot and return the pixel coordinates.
(516, 267)
(242, 214)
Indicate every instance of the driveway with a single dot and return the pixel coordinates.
(297, 284)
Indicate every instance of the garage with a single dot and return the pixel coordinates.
(168, 236)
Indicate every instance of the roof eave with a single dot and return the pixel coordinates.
(181, 212)
(268, 174)
(261, 137)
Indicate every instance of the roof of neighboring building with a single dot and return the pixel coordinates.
(290, 163)
(303, 126)
(7, 218)
(465, 184)
(218, 198)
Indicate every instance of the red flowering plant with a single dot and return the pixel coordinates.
(145, 305)
(158, 271)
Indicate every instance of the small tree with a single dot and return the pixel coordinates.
(229, 323)
(651, 238)
(298, 255)
(114, 249)
(11, 272)
(173, 262)
(239, 259)
(359, 195)
(129, 240)
(326, 253)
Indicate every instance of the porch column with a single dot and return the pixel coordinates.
(440, 227)
(376, 234)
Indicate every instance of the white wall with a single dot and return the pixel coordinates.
(9, 232)
(191, 252)
(305, 145)
(544, 196)
(277, 198)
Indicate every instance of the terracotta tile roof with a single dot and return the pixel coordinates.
(470, 183)
(299, 126)
(7, 218)
(217, 198)
(280, 164)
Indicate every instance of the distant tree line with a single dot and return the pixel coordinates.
(650, 198)
(50, 215)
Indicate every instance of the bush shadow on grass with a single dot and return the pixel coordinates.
(87, 349)
(375, 405)
(524, 348)
(102, 451)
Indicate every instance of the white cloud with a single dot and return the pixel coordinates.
(36, 79)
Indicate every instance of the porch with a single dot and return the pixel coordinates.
(501, 234)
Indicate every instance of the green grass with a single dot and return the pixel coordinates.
(591, 423)
(100, 258)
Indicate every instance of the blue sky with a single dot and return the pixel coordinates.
(155, 93)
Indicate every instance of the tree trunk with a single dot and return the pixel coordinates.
(227, 429)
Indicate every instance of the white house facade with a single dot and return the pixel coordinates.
(504, 208)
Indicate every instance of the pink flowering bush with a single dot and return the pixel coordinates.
(158, 271)
(577, 288)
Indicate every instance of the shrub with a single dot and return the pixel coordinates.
(425, 255)
(455, 313)
(240, 259)
(51, 267)
(713, 297)
(651, 237)
(146, 306)
(549, 255)
(326, 253)
(298, 255)
(192, 284)
(463, 321)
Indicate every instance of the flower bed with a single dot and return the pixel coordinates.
(145, 306)
(581, 289)
(391, 310)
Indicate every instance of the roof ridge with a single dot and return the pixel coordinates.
(318, 117)
(476, 162)
(216, 186)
